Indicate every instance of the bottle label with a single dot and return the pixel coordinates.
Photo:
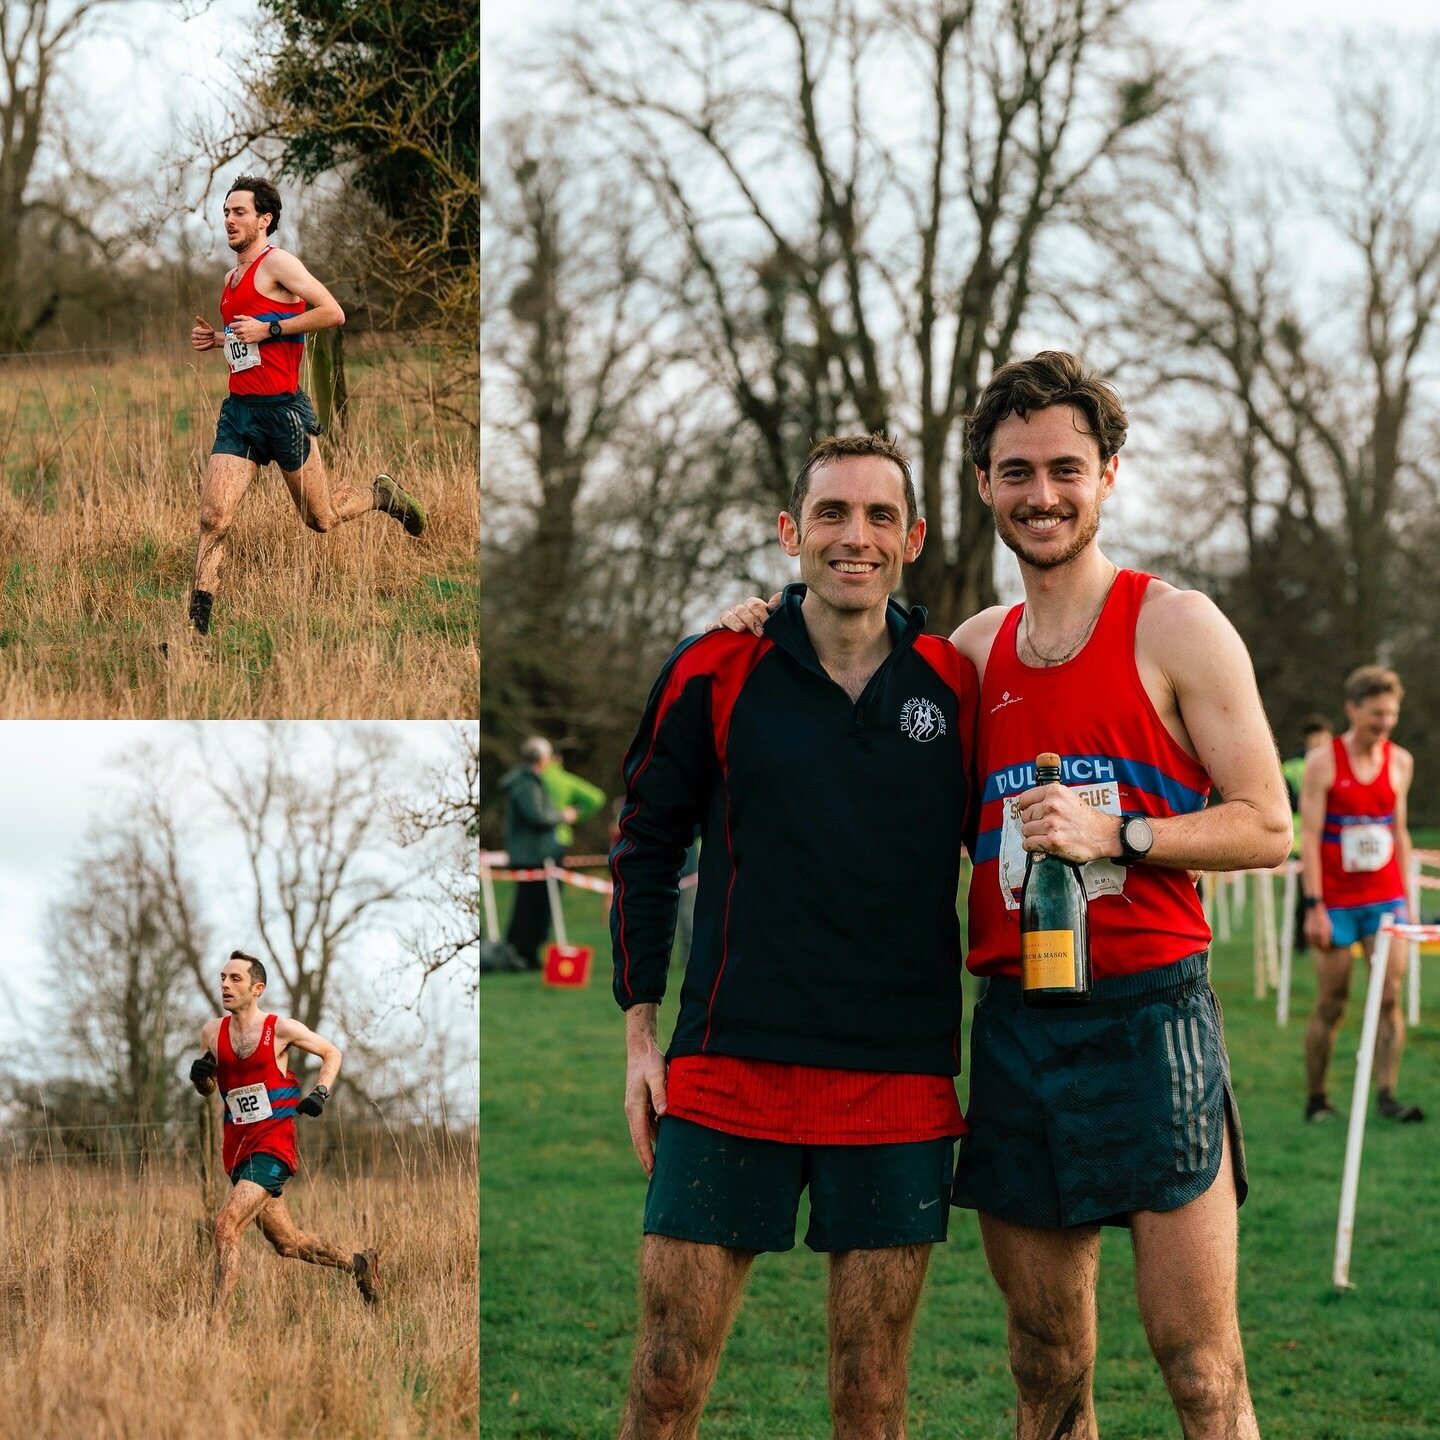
(1047, 959)
(1102, 877)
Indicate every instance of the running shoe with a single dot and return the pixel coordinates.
(367, 1275)
(1318, 1107)
(390, 498)
(1393, 1109)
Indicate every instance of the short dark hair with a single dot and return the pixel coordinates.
(257, 970)
(267, 198)
(1371, 680)
(836, 447)
(1053, 377)
(1312, 724)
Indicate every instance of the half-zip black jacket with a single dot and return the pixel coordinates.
(825, 924)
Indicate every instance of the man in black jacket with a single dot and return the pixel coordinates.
(818, 1033)
(530, 821)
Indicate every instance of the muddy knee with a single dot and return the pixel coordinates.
(863, 1385)
(215, 520)
(320, 524)
(1331, 1009)
(225, 1231)
(1046, 1365)
(1202, 1379)
(669, 1375)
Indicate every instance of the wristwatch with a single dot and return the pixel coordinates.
(275, 331)
(323, 1091)
(1136, 839)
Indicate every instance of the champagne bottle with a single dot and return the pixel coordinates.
(1054, 921)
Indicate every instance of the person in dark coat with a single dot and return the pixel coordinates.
(530, 821)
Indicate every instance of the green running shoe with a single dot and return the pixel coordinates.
(390, 498)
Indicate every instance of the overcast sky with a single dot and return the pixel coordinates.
(61, 778)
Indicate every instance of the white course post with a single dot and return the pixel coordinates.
(1265, 916)
(1222, 904)
(557, 911)
(1413, 980)
(487, 892)
(1355, 1139)
(1287, 944)
(1258, 939)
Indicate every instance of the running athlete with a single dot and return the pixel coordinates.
(269, 303)
(1356, 854)
(244, 1056)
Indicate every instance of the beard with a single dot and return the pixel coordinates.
(1014, 540)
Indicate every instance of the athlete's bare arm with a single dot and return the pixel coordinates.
(292, 1032)
(976, 635)
(283, 277)
(1198, 675)
(1314, 788)
(1402, 771)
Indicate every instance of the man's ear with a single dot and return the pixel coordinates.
(982, 481)
(915, 541)
(789, 534)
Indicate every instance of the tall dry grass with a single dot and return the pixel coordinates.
(105, 1335)
(99, 496)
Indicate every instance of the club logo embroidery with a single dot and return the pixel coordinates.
(921, 719)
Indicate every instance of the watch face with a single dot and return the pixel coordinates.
(1138, 836)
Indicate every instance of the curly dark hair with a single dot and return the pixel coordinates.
(267, 197)
(835, 447)
(1053, 377)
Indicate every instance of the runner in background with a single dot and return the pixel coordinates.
(1355, 848)
(1315, 731)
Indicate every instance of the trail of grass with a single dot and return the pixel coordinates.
(98, 517)
(562, 1195)
(104, 1329)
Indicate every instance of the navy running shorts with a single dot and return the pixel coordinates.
(267, 429)
(722, 1189)
(267, 1171)
(1082, 1115)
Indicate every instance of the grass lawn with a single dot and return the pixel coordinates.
(561, 1196)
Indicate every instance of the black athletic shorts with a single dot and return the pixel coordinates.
(1082, 1115)
(722, 1189)
(267, 429)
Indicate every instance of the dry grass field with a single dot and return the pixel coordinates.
(104, 1333)
(98, 516)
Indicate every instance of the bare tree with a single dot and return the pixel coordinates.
(1314, 384)
(317, 853)
(854, 261)
(125, 939)
(34, 38)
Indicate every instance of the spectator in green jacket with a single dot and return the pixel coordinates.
(531, 820)
(569, 792)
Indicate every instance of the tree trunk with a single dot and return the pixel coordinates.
(327, 380)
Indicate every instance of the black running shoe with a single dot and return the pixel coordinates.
(366, 1268)
(390, 498)
(1318, 1107)
(200, 603)
(1392, 1109)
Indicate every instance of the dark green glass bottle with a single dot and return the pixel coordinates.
(1054, 921)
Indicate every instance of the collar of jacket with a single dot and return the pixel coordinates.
(786, 627)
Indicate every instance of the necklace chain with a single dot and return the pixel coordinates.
(1040, 655)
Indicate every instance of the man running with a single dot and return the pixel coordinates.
(1356, 852)
(267, 416)
(243, 1055)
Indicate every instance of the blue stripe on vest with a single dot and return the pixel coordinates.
(1079, 770)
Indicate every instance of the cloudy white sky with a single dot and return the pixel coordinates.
(61, 778)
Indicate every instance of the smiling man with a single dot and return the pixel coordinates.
(1120, 1112)
(243, 1055)
(268, 304)
(818, 1035)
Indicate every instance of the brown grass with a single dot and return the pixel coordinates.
(104, 1331)
(98, 514)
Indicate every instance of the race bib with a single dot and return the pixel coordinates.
(1365, 847)
(238, 355)
(1102, 877)
(248, 1104)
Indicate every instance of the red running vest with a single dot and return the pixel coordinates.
(1094, 713)
(259, 1098)
(1357, 846)
(278, 372)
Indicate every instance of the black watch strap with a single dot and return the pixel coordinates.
(1131, 854)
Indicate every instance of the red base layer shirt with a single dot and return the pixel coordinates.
(1094, 713)
(259, 1098)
